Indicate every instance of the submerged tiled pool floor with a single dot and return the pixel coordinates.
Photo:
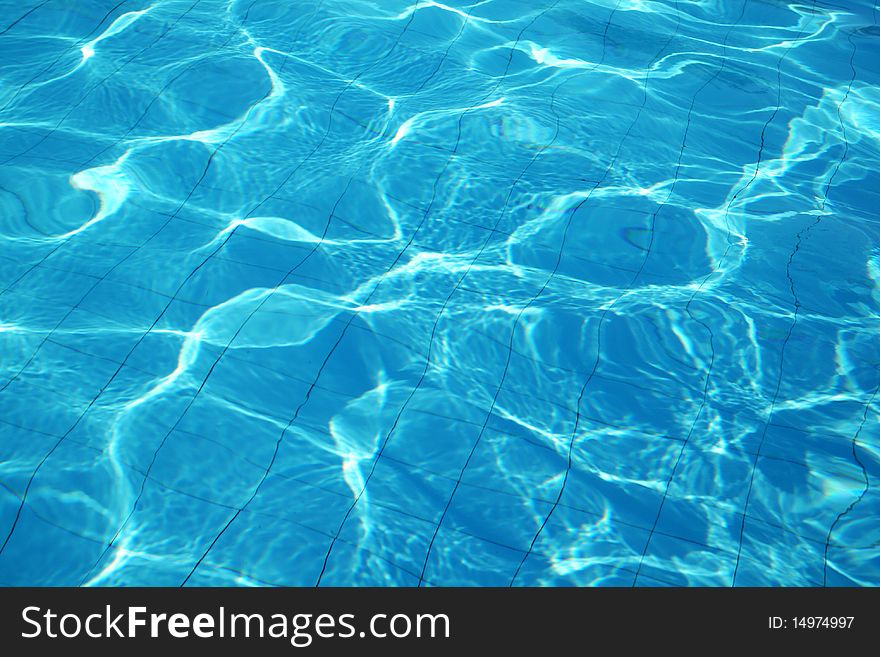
(398, 292)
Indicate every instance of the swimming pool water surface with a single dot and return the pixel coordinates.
(410, 292)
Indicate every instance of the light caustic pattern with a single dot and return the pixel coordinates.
(362, 292)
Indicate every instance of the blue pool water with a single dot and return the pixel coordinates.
(399, 292)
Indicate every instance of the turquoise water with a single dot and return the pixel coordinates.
(387, 292)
